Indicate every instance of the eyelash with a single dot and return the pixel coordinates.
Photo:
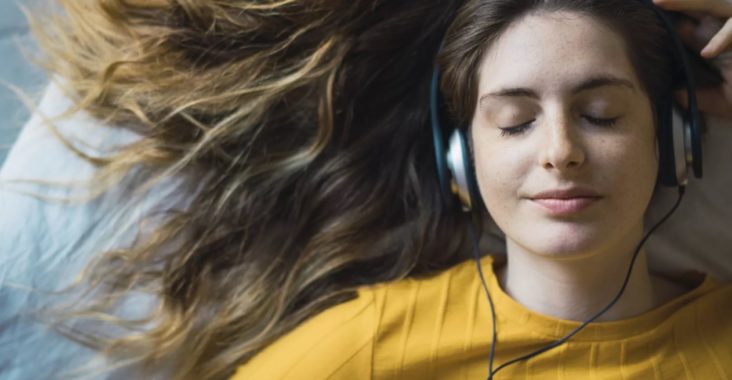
(516, 130)
(519, 129)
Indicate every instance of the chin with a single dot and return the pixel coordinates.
(565, 241)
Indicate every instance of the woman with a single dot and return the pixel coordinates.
(560, 99)
(299, 131)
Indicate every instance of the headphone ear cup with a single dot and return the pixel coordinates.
(443, 173)
(463, 183)
(455, 173)
(676, 146)
(667, 137)
(679, 137)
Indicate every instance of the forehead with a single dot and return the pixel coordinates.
(554, 51)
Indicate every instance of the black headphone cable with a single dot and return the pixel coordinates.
(476, 256)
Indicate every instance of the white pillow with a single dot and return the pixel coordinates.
(43, 245)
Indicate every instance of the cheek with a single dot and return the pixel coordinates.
(646, 166)
(499, 173)
(632, 166)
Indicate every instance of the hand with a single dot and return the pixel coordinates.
(710, 34)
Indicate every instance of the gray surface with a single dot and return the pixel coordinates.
(15, 70)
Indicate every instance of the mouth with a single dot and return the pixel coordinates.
(564, 202)
(565, 206)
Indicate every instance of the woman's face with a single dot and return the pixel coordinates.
(563, 136)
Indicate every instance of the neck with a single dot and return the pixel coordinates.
(576, 288)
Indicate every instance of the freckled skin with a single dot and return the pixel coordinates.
(550, 54)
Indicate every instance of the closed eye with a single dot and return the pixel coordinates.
(516, 130)
(602, 122)
(521, 128)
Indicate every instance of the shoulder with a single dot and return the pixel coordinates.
(704, 313)
(366, 336)
(336, 343)
(703, 332)
(715, 305)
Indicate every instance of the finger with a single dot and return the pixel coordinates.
(719, 8)
(720, 42)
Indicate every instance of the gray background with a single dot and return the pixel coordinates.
(15, 70)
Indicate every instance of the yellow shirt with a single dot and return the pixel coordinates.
(440, 328)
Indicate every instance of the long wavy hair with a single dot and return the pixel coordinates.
(300, 130)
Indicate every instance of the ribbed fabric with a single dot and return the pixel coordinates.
(440, 328)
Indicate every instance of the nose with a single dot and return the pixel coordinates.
(562, 148)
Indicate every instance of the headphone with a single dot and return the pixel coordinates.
(678, 135)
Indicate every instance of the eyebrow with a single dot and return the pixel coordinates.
(590, 83)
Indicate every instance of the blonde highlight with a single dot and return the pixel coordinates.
(308, 168)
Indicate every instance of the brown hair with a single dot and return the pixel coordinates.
(300, 131)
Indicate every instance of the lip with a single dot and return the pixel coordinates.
(563, 202)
